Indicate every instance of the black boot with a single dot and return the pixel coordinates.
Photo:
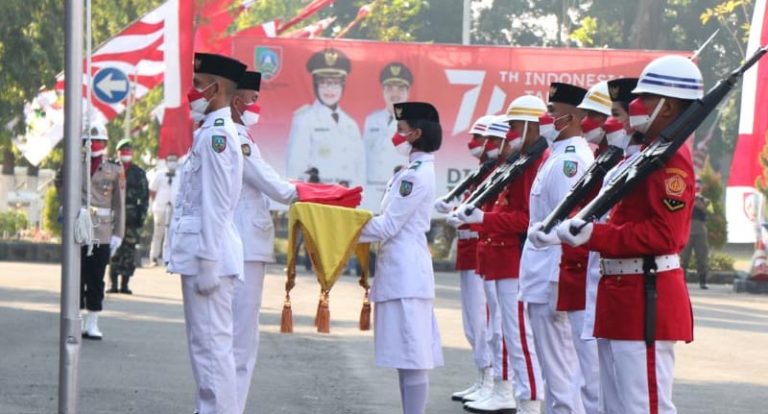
(124, 286)
(703, 281)
(112, 282)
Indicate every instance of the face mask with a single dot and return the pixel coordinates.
(492, 151)
(475, 148)
(250, 115)
(198, 104)
(615, 133)
(401, 143)
(98, 148)
(172, 165)
(639, 119)
(593, 132)
(514, 141)
(547, 128)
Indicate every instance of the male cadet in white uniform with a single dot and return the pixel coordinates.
(569, 158)
(162, 193)
(322, 135)
(205, 246)
(380, 156)
(256, 230)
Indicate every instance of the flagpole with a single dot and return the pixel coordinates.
(465, 22)
(69, 324)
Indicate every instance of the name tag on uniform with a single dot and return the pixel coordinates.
(374, 129)
(322, 129)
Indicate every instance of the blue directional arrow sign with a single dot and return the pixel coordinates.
(110, 85)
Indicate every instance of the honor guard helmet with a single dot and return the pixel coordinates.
(498, 128)
(525, 108)
(481, 124)
(125, 142)
(671, 76)
(597, 99)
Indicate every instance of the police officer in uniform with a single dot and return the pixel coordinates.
(204, 245)
(322, 134)
(380, 156)
(406, 336)
(647, 228)
(136, 205)
(253, 219)
(107, 210)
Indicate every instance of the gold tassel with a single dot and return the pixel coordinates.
(286, 319)
(317, 311)
(365, 315)
(323, 315)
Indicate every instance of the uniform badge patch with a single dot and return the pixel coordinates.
(674, 185)
(570, 168)
(570, 148)
(218, 122)
(405, 188)
(219, 143)
(673, 205)
(246, 149)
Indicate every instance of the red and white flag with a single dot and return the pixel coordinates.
(312, 8)
(313, 30)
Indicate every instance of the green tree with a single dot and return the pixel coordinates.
(712, 189)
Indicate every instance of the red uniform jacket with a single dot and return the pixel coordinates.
(654, 219)
(466, 249)
(505, 226)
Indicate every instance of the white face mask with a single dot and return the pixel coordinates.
(515, 144)
(198, 104)
(550, 133)
(99, 153)
(126, 158)
(618, 139)
(641, 122)
(402, 146)
(172, 165)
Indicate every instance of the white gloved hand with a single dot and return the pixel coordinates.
(452, 220)
(475, 216)
(538, 238)
(443, 207)
(207, 280)
(565, 235)
(114, 243)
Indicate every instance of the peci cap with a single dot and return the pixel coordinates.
(621, 89)
(250, 81)
(219, 65)
(566, 93)
(410, 111)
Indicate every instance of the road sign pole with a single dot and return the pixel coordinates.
(69, 324)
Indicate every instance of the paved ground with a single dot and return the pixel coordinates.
(142, 365)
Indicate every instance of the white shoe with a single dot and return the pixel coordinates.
(92, 326)
(484, 390)
(459, 395)
(529, 407)
(502, 400)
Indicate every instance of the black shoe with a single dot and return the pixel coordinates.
(91, 337)
(704, 287)
(126, 290)
(113, 289)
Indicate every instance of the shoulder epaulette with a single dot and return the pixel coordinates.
(415, 166)
(570, 148)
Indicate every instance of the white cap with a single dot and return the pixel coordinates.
(525, 108)
(672, 76)
(481, 124)
(597, 99)
(498, 127)
(97, 130)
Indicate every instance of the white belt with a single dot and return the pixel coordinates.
(634, 265)
(102, 212)
(468, 234)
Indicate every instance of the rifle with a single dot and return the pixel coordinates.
(507, 173)
(665, 146)
(468, 181)
(592, 178)
(493, 177)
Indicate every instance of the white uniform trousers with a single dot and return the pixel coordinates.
(518, 336)
(559, 363)
(586, 351)
(245, 309)
(160, 221)
(208, 321)
(641, 377)
(493, 335)
(474, 315)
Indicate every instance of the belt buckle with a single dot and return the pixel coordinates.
(602, 267)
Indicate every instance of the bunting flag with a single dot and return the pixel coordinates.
(312, 8)
(743, 201)
(362, 13)
(313, 30)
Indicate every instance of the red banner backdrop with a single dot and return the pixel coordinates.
(296, 132)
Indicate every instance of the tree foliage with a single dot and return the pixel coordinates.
(712, 189)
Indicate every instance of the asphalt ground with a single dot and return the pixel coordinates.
(142, 366)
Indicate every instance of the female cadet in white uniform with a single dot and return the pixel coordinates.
(406, 336)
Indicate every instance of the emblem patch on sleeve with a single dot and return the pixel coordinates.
(406, 187)
(218, 122)
(246, 149)
(673, 205)
(219, 143)
(570, 168)
(570, 148)
(674, 185)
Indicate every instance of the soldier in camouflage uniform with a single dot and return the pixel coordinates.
(136, 204)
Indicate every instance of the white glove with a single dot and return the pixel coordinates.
(564, 232)
(114, 243)
(538, 238)
(207, 281)
(443, 207)
(475, 216)
(452, 220)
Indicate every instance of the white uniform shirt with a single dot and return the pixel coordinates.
(252, 213)
(165, 192)
(334, 148)
(568, 160)
(381, 158)
(404, 263)
(593, 264)
(203, 225)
